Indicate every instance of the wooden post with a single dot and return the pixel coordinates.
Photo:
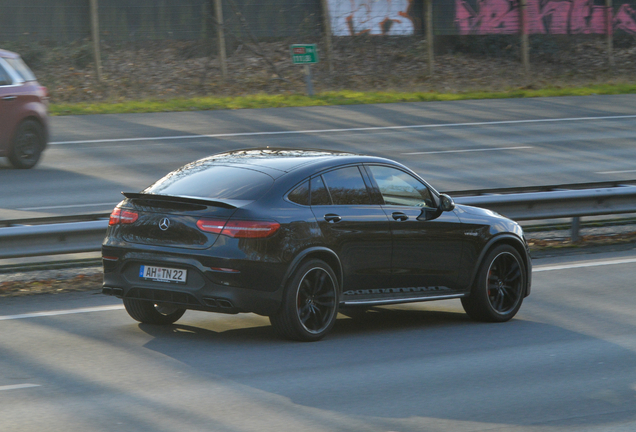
(95, 36)
(218, 12)
(525, 49)
(429, 36)
(609, 28)
(327, 25)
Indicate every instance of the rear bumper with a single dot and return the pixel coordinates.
(251, 286)
(210, 299)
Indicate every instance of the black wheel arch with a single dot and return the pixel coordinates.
(514, 241)
(319, 252)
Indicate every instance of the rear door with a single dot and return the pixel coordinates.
(426, 254)
(354, 227)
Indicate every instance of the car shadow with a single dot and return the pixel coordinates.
(404, 363)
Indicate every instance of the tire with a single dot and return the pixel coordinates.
(148, 312)
(28, 144)
(310, 303)
(499, 288)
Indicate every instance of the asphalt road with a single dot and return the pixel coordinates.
(454, 145)
(566, 363)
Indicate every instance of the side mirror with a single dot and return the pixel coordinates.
(446, 203)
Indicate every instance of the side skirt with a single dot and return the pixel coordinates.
(398, 300)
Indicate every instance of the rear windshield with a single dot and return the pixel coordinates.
(213, 182)
(21, 68)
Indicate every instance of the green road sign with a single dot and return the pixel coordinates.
(304, 54)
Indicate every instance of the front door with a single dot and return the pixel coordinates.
(426, 253)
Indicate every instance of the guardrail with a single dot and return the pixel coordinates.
(559, 204)
(52, 239)
(87, 236)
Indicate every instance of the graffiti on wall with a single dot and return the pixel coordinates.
(625, 19)
(374, 17)
(543, 17)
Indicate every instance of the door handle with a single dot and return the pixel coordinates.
(9, 98)
(332, 218)
(399, 216)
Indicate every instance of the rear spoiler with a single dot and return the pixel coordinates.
(229, 204)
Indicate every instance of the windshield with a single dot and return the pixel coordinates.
(21, 68)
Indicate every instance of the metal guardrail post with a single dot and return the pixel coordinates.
(576, 228)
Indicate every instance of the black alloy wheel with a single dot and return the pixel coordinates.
(28, 145)
(499, 288)
(148, 312)
(310, 303)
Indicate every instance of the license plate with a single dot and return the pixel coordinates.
(163, 274)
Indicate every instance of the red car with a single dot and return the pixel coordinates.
(23, 112)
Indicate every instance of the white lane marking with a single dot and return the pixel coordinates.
(67, 206)
(62, 312)
(552, 267)
(616, 172)
(18, 386)
(360, 129)
(469, 150)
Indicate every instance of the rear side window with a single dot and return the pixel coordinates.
(347, 187)
(300, 195)
(213, 182)
(319, 194)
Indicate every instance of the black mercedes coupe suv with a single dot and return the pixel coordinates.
(295, 235)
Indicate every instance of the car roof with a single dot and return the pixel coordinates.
(285, 160)
(8, 54)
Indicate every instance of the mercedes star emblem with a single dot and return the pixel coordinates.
(164, 224)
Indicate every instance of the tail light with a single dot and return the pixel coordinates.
(250, 229)
(239, 229)
(122, 217)
(212, 226)
(45, 92)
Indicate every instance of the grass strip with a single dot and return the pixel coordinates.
(343, 97)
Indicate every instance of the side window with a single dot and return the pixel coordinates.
(300, 195)
(347, 187)
(400, 188)
(4, 77)
(319, 194)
